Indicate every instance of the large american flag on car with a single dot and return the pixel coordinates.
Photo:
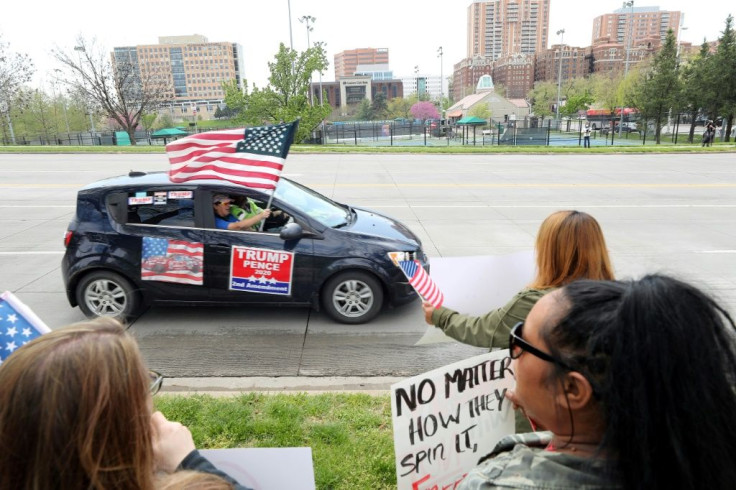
(18, 325)
(421, 282)
(172, 261)
(253, 157)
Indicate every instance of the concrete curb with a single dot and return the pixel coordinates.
(223, 386)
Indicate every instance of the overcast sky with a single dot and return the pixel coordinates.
(412, 30)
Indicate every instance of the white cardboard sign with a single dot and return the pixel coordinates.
(445, 420)
(266, 468)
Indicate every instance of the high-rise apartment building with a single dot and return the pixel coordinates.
(498, 28)
(635, 25)
(346, 62)
(197, 68)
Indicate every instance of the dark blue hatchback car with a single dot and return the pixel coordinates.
(140, 240)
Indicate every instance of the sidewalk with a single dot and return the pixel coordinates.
(222, 386)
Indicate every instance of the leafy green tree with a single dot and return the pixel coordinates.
(481, 111)
(364, 112)
(400, 108)
(286, 97)
(725, 71)
(148, 120)
(543, 96)
(379, 106)
(699, 90)
(659, 90)
(605, 91)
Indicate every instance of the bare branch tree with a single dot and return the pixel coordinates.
(116, 85)
(15, 70)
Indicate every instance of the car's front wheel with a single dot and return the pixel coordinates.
(105, 293)
(352, 297)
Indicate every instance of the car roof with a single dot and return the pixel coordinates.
(153, 178)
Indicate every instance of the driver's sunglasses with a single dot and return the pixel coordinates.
(157, 381)
(517, 345)
(223, 202)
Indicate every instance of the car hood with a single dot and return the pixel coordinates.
(370, 223)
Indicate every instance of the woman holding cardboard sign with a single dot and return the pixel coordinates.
(570, 246)
(636, 382)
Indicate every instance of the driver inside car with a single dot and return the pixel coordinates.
(245, 208)
(225, 220)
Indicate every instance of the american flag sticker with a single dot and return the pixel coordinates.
(172, 261)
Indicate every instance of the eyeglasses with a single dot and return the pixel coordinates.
(157, 381)
(517, 344)
(223, 202)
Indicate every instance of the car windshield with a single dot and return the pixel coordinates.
(313, 204)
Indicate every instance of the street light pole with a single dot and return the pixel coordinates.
(80, 49)
(560, 33)
(307, 19)
(629, 35)
(291, 38)
(66, 119)
(442, 81)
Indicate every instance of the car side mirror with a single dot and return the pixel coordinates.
(291, 231)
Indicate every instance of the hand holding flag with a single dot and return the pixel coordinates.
(253, 157)
(18, 325)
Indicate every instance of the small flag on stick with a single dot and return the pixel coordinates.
(253, 157)
(18, 325)
(421, 282)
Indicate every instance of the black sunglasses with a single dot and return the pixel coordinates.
(157, 381)
(517, 344)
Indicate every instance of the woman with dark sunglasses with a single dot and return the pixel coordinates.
(76, 411)
(636, 383)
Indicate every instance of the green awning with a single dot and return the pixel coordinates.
(122, 138)
(168, 133)
(472, 120)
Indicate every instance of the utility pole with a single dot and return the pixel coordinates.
(629, 35)
(307, 19)
(442, 81)
(560, 33)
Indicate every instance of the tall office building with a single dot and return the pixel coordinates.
(196, 67)
(632, 26)
(498, 28)
(346, 62)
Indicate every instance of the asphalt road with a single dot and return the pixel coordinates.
(669, 213)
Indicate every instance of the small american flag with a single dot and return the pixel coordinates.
(172, 261)
(253, 157)
(18, 325)
(421, 281)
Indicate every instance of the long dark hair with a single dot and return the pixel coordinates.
(661, 356)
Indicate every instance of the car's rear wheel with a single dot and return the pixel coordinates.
(352, 297)
(105, 293)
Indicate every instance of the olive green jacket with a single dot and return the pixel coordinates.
(490, 329)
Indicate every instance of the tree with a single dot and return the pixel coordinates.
(286, 97)
(699, 90)
(725, 71)
(15, 70)
(578, 95)
(543, 96)
(424, 110)
(658, 91)
(481, 111)
(123, 91)
(379, 107)
(400, 108)
(364, 112)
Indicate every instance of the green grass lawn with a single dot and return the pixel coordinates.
(350, 434)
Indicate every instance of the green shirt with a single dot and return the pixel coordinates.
(490, 329)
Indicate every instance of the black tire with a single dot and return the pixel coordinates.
(106, 293)
(352, 297)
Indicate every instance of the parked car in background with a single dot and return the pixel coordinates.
(140, 240)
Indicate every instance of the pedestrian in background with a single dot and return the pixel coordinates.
(586, 136)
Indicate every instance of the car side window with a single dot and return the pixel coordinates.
(159, 208)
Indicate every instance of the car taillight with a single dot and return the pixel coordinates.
(67, 238)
